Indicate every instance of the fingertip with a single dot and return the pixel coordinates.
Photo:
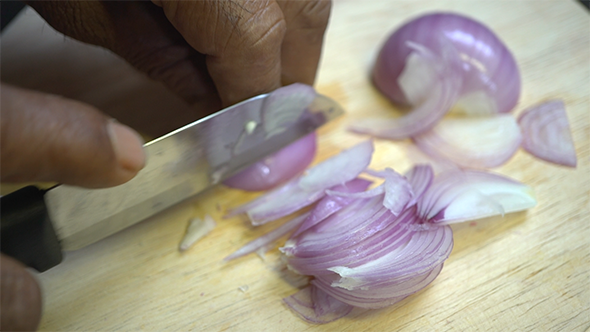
(128, 147)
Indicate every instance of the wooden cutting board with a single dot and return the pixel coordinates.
(525, 272)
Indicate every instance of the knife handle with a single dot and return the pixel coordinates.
(26, 230)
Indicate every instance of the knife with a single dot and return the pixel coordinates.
(37, 225)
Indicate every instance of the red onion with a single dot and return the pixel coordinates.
(437, 61)
(477, 142)
(278, 168)
(547, 133)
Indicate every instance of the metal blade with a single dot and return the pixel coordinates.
(187, 161)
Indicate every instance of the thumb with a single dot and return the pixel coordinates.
(49, 138)
(20, 297)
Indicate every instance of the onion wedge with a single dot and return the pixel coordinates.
(547, 133)
(461, 195)
(474, 142)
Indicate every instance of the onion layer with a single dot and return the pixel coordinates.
(547, 133)
(477, 142)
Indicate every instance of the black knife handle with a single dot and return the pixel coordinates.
(26, 230)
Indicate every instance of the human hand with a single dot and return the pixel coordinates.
(211, 53)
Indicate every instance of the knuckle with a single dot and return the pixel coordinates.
(314, 14)
(255, 24)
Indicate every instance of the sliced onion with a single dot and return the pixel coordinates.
(476, 142)
(461, 195)
(278, 168)
(371, 248)
(309, 188)
(547, 133)
(268, 238)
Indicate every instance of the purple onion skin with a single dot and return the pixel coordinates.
(277, 168)
(469, 37)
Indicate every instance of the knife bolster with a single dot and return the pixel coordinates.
(26, 230)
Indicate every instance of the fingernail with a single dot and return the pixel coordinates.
(128, 146)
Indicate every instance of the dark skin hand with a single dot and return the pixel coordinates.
(211, 53)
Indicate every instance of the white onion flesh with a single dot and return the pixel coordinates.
(476, 142)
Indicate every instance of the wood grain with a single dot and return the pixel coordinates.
(525, 272)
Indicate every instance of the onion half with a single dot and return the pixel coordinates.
(473, 52)
(547, 133)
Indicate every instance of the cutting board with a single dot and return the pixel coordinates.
(527, 271)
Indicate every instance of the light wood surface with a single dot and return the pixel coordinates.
(524, 272)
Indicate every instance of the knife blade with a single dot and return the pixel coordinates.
(37, 224)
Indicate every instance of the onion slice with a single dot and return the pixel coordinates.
(268, 238)
(442, 94)
(474, 142)
(547, 133)
(309, 188)
(461, 195)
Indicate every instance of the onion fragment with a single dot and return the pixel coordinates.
(196, 230)
(547, 133)
(476, 142)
